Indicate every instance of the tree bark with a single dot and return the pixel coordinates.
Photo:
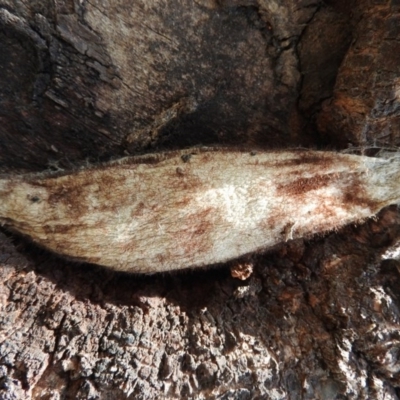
(88, 81)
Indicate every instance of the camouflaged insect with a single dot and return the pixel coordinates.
(194, 208)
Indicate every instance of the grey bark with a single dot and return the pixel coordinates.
(86, 81)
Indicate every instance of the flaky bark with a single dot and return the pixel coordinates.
(94, 80)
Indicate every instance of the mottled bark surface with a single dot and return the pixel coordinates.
(365, 104)
(93, 80)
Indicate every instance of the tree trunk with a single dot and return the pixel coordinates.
(88, 81)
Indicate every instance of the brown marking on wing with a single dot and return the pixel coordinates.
(356, 194)
(69, 194)
(321, 161)
(183, 183)
(195, 238)
(317, 159)
(138, 211)
(74, 191)
(67, 228)
(301, 186)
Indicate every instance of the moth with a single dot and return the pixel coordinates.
(193, 208)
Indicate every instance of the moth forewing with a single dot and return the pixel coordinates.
(193, 208)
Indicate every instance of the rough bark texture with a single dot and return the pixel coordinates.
(94, 80)
(366, 101)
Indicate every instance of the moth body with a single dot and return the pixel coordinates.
(194, 208)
